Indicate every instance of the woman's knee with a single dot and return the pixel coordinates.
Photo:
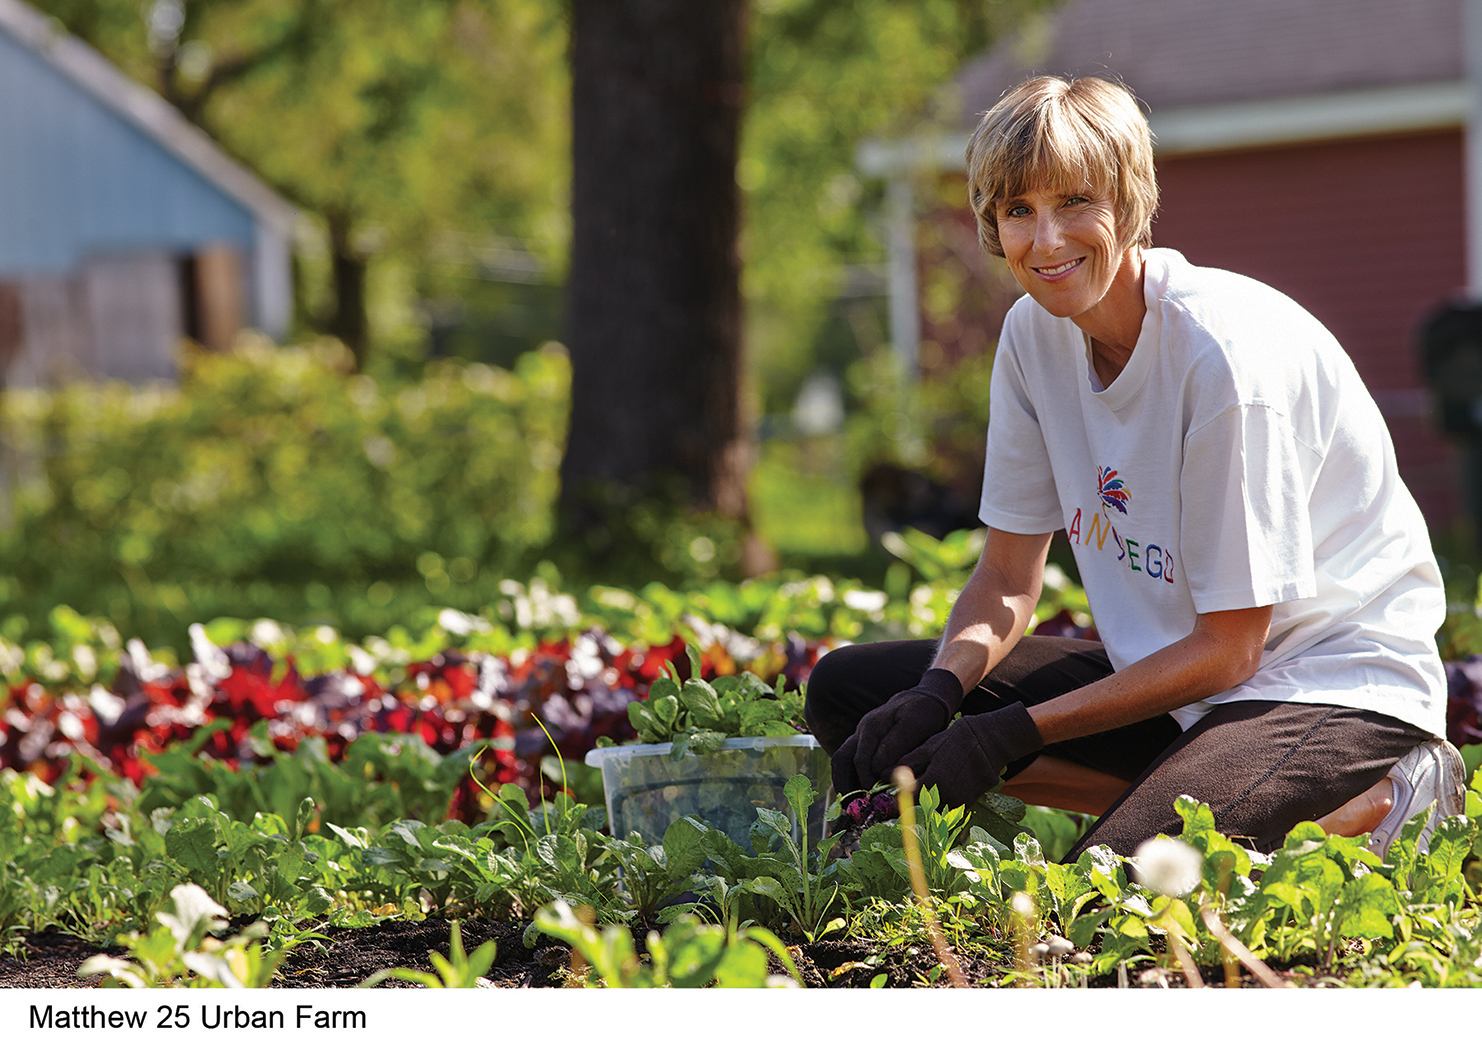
(828, 714)
(849, 682)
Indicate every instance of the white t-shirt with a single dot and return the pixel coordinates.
(1237, 461)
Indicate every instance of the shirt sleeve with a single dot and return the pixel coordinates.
(1245, 534)
(1018, 483)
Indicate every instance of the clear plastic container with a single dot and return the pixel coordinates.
(647, 790)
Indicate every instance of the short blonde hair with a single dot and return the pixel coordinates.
(1065, 135)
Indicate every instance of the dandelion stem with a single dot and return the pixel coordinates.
(1262, 972)
(1185, 961)
(1232, 966)
(905, 783)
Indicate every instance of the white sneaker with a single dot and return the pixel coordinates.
(1430, 772)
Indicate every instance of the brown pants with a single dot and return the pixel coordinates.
(1261, 766)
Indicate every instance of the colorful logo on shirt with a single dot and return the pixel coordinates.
(1112, 489)
(1152, 561)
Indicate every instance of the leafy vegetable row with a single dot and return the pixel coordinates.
(95, 860)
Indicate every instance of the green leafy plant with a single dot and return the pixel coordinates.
(689, 954)
(718, 898)
(554, 850)
(960, 848)
(251, 866)
(1330, 896)
(698, 715)
(654, 875)
(802, 881)
(180, 949)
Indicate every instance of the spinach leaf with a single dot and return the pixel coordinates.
(697, 716)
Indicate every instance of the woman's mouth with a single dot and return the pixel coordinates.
(1060, 270)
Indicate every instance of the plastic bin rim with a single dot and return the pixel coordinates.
(597, 755)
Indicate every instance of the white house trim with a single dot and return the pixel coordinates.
(1310, 118)
(1232, 125)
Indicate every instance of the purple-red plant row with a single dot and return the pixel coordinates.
(559, 696)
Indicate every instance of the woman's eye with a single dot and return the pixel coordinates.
(1016, 211)
(1077, 200)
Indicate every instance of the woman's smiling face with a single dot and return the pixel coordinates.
(1062, 247)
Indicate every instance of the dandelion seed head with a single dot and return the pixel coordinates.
(1168, 867)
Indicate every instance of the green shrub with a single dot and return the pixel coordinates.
(271, 483)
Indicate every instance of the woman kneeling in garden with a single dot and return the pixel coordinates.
(1262, 581)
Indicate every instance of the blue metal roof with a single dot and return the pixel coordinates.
(78, 178)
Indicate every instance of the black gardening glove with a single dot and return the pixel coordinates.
(905, 721)
(963, 761)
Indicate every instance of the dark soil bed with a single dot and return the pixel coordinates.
(343, 958)
(346, 957)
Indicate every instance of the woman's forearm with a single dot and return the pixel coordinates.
(1223, 650)
(995, 606)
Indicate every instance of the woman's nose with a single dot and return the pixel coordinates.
(1047, 232)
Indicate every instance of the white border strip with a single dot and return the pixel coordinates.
(1471, 23)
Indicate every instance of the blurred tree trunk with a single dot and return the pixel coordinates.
(653, 300)
(350, 322)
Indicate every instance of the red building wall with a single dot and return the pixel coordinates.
(1367, 234)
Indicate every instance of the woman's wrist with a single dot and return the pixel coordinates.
(943, 686)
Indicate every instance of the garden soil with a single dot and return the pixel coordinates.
(346, 957)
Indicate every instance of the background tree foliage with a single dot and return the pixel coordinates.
(420, 136)
(825, 75)
(394, 121)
